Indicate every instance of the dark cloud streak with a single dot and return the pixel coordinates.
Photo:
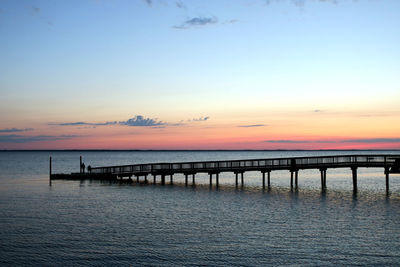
(197, 22)
(15, 130)
(14, 138)
(252, 125)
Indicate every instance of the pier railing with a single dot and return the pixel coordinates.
(385, 161)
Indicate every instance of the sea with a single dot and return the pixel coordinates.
(92, 223)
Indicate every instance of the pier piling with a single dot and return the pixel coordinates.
(236, 179)
(387, 180)
(354, 172)
(263, 180)
(50, 171)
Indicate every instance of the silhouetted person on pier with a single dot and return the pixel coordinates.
(83, 168)
(89, 168)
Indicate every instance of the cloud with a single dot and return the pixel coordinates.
(373, 140)
(34, 10)
(13, 138)
(251, 125)
(197, 22)
(317, 110)
(81, 123)
(139, 120)
(287, 141)
(299, 141)
(301, 3)
(199, 119)
(15, 130)
(180, 4)
(149, 2)
(361, 140)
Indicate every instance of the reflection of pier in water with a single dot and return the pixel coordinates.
(390, 164)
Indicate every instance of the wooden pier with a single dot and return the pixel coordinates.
(389, 164)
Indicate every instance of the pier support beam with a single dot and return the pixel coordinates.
(387, 180)
(291, 180)
(163, 179)
(296, 175)
(50, 171)
(210, 179)
(236, 179)
(241, 177)
(263, 180)
(80, 164)
(354, 171)
(145, 179)
(269, 179)
(186, 179)
(323, 179)
(171, 181)
(193, 179)
(217, 179)
(154, 179)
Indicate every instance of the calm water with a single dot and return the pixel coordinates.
(74, 223)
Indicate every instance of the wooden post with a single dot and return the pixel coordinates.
(137, 178)
(210, 179)
(325, 179)
(193, 179)
(217, 179)
(171, 179)
(296, 174)
(186, 179)
(80, 164)
(354, 171)
(323, 173)
(269, 179)
(291, 180)
(145, 178)
(50, 171)
(162, 179)
(387, 180)
(241, 177)
(236, 179)
(154, 179)
(263, 180)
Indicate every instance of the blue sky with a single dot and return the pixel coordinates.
(239, 62)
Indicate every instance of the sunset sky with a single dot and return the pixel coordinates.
(200, 74)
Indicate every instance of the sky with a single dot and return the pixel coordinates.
(200, 74)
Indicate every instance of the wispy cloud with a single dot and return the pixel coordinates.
(149, 2)
(288, 141)
(15, 130)
(252, 125)
(139, 120)
(14, 138)
(301, 3)
(197, 22)
(180, 4)
(199, 119)
(81, 123)
(35, 11)
(360, 140)
(373, 140)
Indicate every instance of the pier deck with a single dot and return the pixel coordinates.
(389, 163)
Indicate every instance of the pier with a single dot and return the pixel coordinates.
(163, 171)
